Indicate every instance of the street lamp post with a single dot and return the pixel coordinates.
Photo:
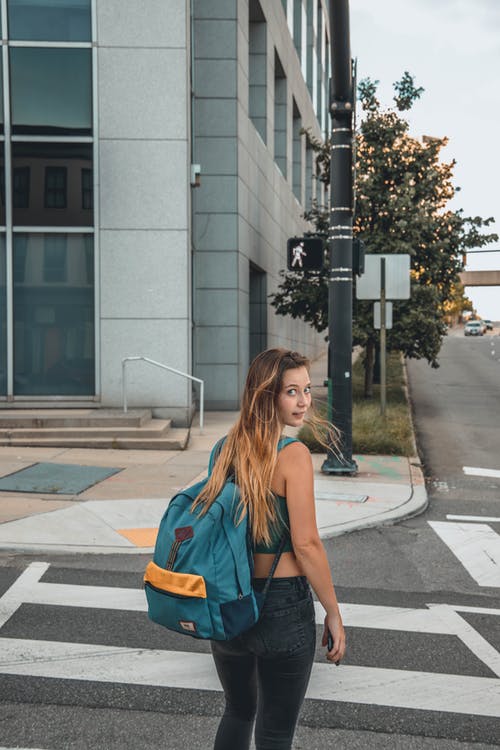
(340, 243)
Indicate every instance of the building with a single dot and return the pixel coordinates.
(153, 167)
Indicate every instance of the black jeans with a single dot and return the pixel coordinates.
(265, 671)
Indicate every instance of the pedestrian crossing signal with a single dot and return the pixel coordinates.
(305, 254)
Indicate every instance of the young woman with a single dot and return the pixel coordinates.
(265, 671)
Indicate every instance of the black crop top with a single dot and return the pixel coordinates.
(278, 530)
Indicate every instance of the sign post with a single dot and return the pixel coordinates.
(339, 460)
(386, 277)
(383, 377)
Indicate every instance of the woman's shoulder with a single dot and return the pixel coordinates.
(293, 452)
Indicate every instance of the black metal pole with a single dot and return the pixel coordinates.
(339, 460)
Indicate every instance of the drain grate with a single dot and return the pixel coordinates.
(55, 479)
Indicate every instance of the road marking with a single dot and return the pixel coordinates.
(140, 537)
(476, 545)
(184, 669)
(474, 471)
(484, 519)
(389, 687)
(469, 636)
(441, 486)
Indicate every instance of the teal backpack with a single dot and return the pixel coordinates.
(200, 579)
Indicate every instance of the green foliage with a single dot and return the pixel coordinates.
(402, 192)
(373, 433)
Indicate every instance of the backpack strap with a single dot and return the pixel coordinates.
(216, 450)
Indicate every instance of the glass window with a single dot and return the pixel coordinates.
(87, 189)
(280, 116)
(257, 68)
(3, 318)
(19, 259)
(21, 187)
(56, 191)
(54, 258)
(2, 186)
(50, 20)
(51, 91)
(56, 187)
(1, 95)
(54, 315)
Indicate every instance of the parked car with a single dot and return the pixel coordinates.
(489, 324)
(474, 328)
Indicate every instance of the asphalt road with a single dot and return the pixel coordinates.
(423, 623)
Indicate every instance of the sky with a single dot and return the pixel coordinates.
(452, 48)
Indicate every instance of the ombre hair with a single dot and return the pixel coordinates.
(250, 451)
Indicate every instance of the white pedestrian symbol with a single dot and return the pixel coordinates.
(298, 253)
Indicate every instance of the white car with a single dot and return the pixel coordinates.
(474, 328)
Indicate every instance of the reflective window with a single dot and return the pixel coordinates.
(1, 96)
(53, 314)
(57, 194)
(21, 187)
(2, 186)
(56, 187)
(54, 258)
(3, 317)
(87, 189)
(50, 20)
(51, 91)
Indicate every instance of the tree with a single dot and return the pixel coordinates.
(402, 190)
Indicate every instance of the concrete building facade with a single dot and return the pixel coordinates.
(153, 168)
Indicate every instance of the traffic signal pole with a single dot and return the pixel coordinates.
(340, 243)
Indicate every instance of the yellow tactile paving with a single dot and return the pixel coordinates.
(140, 537)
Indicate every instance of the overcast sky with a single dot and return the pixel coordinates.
(452, 48)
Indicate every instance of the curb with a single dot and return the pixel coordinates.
(416, 504)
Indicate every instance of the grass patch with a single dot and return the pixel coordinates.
(373, 433)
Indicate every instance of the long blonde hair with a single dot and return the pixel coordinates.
(250, 450)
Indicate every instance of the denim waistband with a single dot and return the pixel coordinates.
(293, 583)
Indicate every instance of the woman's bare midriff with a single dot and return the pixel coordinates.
(287, 566)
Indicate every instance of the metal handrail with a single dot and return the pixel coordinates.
(163, 367)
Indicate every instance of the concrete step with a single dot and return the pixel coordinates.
(42, 418)
(175, 439)
(154, 428)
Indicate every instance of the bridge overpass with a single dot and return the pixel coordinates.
(480, 278)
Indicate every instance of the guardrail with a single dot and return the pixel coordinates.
(163, 367)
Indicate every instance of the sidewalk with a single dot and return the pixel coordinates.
(120, 514)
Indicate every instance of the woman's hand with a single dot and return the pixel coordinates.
(333, 624)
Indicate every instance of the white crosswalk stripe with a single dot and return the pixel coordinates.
(184, 669)
(476, 545)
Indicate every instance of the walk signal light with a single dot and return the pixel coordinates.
(305, 254)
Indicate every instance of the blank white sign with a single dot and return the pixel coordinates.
(397, 277)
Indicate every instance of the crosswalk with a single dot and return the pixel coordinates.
(475, 544)
(186, 669)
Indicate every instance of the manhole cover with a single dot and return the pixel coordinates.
(55, 479)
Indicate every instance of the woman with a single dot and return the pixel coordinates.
(265, 671)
